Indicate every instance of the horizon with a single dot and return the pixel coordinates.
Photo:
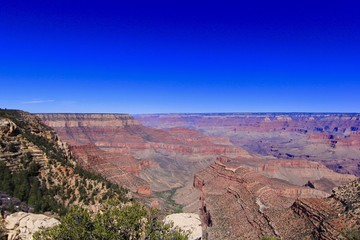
(169, 57)
(187, 113)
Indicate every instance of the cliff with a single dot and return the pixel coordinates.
(143, 159)
(329, 138)
(239, 203)
(300, 172)
(336, 217)
(39, 169)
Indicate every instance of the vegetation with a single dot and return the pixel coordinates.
(269, 238)
(55, 189)
(170, 204)
(352, 234)
(57, 184)
(115, 223)
(113, 189)
(25, 186)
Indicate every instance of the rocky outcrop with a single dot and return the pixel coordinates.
(300, 172)
(330, 138)
(349, 195)
(236, 202)
(22, 226)
(88, 120)
(144, 159)
(335, 217)
(188, 222)
(38, 168)
(9, 203)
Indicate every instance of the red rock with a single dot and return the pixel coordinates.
(238, 203)
(332, 139)
(138, 157)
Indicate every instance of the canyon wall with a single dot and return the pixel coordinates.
(239, 203)
(330, 138)
(144, 159)
(248, 174)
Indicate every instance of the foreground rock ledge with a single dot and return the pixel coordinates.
(187, 222)
(21, 225)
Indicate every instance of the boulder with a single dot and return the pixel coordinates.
(22, 225)
(187, 222)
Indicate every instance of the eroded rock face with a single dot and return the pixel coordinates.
(147, 159)
(187, 222)
(332, 139)
(334, 217)
(24, 142)
(300, 172)
(238, 203)
(21, 225)
(144, 159)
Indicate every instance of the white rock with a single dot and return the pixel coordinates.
(188, 222)
(21, 225)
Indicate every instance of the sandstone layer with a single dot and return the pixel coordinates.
(239, 203)
(330, 138)
(150, 160)
(144, 159)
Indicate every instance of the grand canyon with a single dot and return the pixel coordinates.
(248, 176)
(176, 120)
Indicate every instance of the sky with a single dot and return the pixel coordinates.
(180, 56)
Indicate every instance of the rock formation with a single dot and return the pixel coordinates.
(300, 172)
(22, 226)
(39, 169)
(188, 222)
(238, 203)
(141, 158)
(330, 138)
(147, 159)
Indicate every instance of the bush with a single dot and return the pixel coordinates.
(25, 186)
(129, 222)
(352, 234)
(269, 238)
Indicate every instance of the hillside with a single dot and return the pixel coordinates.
(39, 169)
(239, 203)
(39, 174)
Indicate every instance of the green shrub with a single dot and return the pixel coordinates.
(269, 238)
(129, 222)
(352, 234)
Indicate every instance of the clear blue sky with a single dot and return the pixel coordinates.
(180, 56)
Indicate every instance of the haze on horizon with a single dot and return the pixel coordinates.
(180, 57)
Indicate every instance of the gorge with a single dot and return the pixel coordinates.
(270, 164)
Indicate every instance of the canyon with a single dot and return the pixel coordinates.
(329, 138)
(238, 203)
(143, 159)
(244, 173)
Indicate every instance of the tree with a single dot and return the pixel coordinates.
(114, 223)
(35, 196)
(6, 180)
(76, 225)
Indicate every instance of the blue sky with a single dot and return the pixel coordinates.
(180, 56)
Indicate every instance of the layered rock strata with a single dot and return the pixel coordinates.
(330, 138)
(141, 158)
(238, 203)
